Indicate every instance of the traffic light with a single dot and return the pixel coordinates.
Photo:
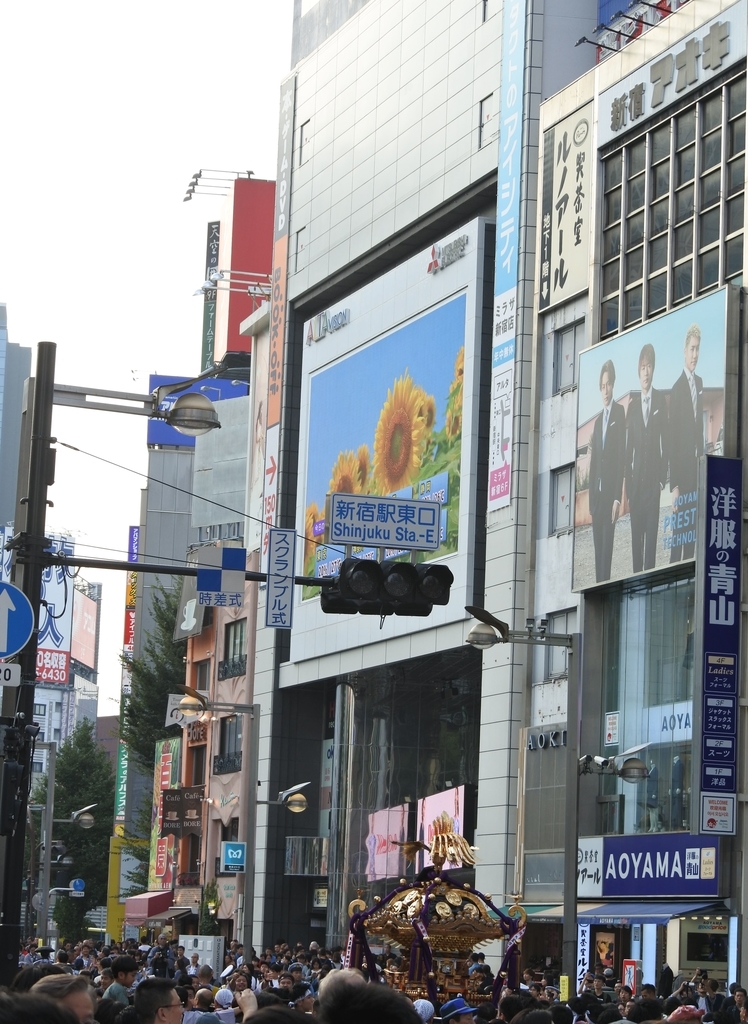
(10, 797)
(387, 588)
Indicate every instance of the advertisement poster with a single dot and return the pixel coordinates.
(56, 618)
(650, 404)
(163, 860)
(605, 948)
(442, 812)
(85, 616)
(400, 434)
(385, 859)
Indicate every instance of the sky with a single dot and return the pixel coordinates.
(107, 112)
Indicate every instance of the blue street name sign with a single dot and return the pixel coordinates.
(398, 523)
(16, 620)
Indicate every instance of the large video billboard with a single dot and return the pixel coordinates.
(386, 860)
(437, 814)
(650, 403)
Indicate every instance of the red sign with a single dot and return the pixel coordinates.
(53, 667)
(129, 638)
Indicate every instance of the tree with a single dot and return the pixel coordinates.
(154, 676)
(209, 907)
(84, 775)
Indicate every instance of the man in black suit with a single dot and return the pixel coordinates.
(607, 461)
(686, 429)
(646, 463)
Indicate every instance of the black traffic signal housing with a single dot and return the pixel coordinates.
(10, 797)
(387, 588)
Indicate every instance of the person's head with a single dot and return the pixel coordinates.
(509, 1007)
(157, 1002)
(286, 980)
(62, 957)
(607, 381)
(27, 977)
(624, 993)
(646, 366)
(204, 999)
(527, 975)
(239, 982)
(194, 959)
(367, 1004)
(648, 992)
(180, 950)
(609, 1015)
(691, 347)
(345, 976)
(29, 1008)
(485, 1012)
(224, 998)
(205, 974)
(458, 1011)
(425, 1010)
(561, 1014)
(163, 940)
(302, 997)
(70, 991)
(598, 983)
(297, 972)
(186, 997)
(106, 978)
(124, 969)
(713, 986)
(741, 997)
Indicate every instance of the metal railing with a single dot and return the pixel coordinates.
(232, 667)
(225, 764)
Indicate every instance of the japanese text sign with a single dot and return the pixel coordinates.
(720, 582)
(400, 523)
(280, 588)
(220, 576)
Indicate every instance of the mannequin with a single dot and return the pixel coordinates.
(653, 797)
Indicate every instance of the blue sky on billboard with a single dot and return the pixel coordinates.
(215, 388)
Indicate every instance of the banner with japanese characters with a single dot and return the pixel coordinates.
(565, 225)
(720, 557)
(56, 618)
(507, 244)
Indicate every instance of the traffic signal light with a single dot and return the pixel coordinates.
(10, 797)
(387, 588)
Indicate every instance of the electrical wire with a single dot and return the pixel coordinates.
(183, 490)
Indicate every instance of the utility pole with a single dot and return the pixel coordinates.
(18, 740)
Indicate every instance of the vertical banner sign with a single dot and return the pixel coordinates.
(507, 242)
(278, 307)
(163, 849)
(281, 562)
(583, 952)
(56, 618)
(120, 793)
(720, 580)
(209, 306)
(128, 647)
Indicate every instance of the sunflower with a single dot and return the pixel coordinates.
(344, 479)
(426, 410)
(310, 518)
(460, 366)
(364, 467)
(399, 437)
(454, 423)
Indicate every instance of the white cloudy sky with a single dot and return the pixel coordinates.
(107, 111)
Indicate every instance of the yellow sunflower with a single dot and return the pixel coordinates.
(310, 518)
(460, 366)
(344, 479)
(364, 467)
(398, 439)
(454, 422)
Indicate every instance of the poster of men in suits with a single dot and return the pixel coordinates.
(650, 403)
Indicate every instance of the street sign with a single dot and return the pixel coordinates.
(233, 857)
(10, 675)
(77, 887)
(281, 561)
(16, 620)
(220, 576)
(175, 715)
(402, 524)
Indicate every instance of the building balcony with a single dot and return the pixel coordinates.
(232, 667)
(188, 879)
(225, 764)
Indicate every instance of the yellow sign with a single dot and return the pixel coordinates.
(563, 993)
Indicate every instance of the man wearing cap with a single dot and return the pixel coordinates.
(161, 959)
(302, 998)
(458, 1011)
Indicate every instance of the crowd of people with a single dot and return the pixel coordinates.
(162, 983)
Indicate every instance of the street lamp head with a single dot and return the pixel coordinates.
(633, 770)
(86, 820)
(296, 803)
(193, 414)
(482, 635)
(191, 706)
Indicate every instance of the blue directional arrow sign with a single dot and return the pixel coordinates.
(16, 620)
(77, 887)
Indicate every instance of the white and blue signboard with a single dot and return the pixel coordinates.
(404, 524)
(77, 887)
(660, 865)
(220, 576)
(16, 620)
(233, 857)
(720, 582)
(280, 588)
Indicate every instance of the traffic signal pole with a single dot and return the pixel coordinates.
(17, 738)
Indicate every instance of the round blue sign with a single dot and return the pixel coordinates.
(77, 885)
(16, 620)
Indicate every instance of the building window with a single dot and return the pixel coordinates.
(305, 139)
(198, 765)
(37, 766)
(562, 496)
(230, 832)
(235, 650)
(673, 211)
(193, 853)
(202, 675)
(566, 344)
(301, 244)
(40, 710)
(56, 735)
(40, 736)
(558, 657)
(230, 757)
(488, 121)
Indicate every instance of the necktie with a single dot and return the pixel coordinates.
(692, 382)
(646, 410)
(605, 424)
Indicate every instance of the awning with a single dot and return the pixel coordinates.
(634, 912)
(646, 913)
(138, 909)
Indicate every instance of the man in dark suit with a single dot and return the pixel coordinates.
(686, 430)
(646, 463)
(607, 462)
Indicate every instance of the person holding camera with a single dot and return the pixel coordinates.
(161, 959)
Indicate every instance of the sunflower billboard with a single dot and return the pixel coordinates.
(387, 421)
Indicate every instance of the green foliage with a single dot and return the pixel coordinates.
(209, 922)
(154, 676)
(137, 845)
(84, 775)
